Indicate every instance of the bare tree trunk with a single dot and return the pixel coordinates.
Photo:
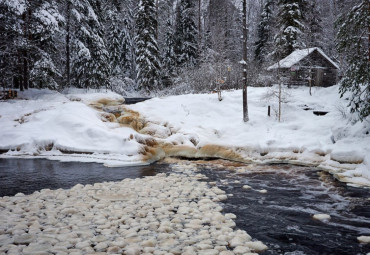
(68, 51)
(157, 18)
(25, 71)
(200, 24)
(279, 97)
(24, 84)
(245, 55)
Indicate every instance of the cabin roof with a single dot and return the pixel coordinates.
(297, 55)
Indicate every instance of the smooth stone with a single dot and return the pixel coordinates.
(101, 246)
(322, 217)
(241, 250)
(364, 239)
(36, 249)
(257, 246)
(24, 239)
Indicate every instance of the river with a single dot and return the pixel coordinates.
(273, 203)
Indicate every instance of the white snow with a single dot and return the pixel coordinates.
(50, 119)
(331, 142)
(191, 126)
(297, 56)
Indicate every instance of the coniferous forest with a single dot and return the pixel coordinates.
(154, 47)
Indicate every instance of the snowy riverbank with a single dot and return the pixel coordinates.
(84, 126)
(164, 214)
(330, 142)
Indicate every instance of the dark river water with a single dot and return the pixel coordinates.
(29, 175)
(281, 217)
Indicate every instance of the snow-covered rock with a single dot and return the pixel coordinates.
(152, 215)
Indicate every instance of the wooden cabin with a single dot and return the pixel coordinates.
(304, 65)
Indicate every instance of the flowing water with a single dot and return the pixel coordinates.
(277, 209)
(279, 206)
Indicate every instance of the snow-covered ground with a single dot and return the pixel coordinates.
(44, 123)
(330, 142)
(50, 124)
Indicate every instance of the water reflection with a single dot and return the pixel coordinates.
(29, 175)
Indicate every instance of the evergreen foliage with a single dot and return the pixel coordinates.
(290, 35)
(114, 44)
(353, 42)
(186, 35)
(90, 57)
(147, 52)
(169, 57)
(264, 33)
(127, 54)
(94, 43)
(313, 22)
(45, 26)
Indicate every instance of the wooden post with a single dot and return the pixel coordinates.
(269, 111)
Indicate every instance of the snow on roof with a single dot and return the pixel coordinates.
(297, 56)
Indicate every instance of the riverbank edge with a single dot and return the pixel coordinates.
(339, 170)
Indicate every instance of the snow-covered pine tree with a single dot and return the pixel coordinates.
(114, 43)
(80, 52)
(10, 42)
(127, 51)
(169, 55)
(314, 30)
(264, 33)
(89, 54)
(28, 54)
(186, 34)
(45, 27)
(290, 27)
(353, 43)
(147, 53)
(99, 66)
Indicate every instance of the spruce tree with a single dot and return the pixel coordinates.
(264, 33)
(186, 34)
(353, 43)
(45, 28)
(28, 51)
(169, 55)
(314, 30)
(147, 52)
(114, 44)
(89, 53)
(290, 22)
(10, 44)
(127, 42)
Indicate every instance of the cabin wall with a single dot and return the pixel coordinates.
(323, 73)
(329, 73)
